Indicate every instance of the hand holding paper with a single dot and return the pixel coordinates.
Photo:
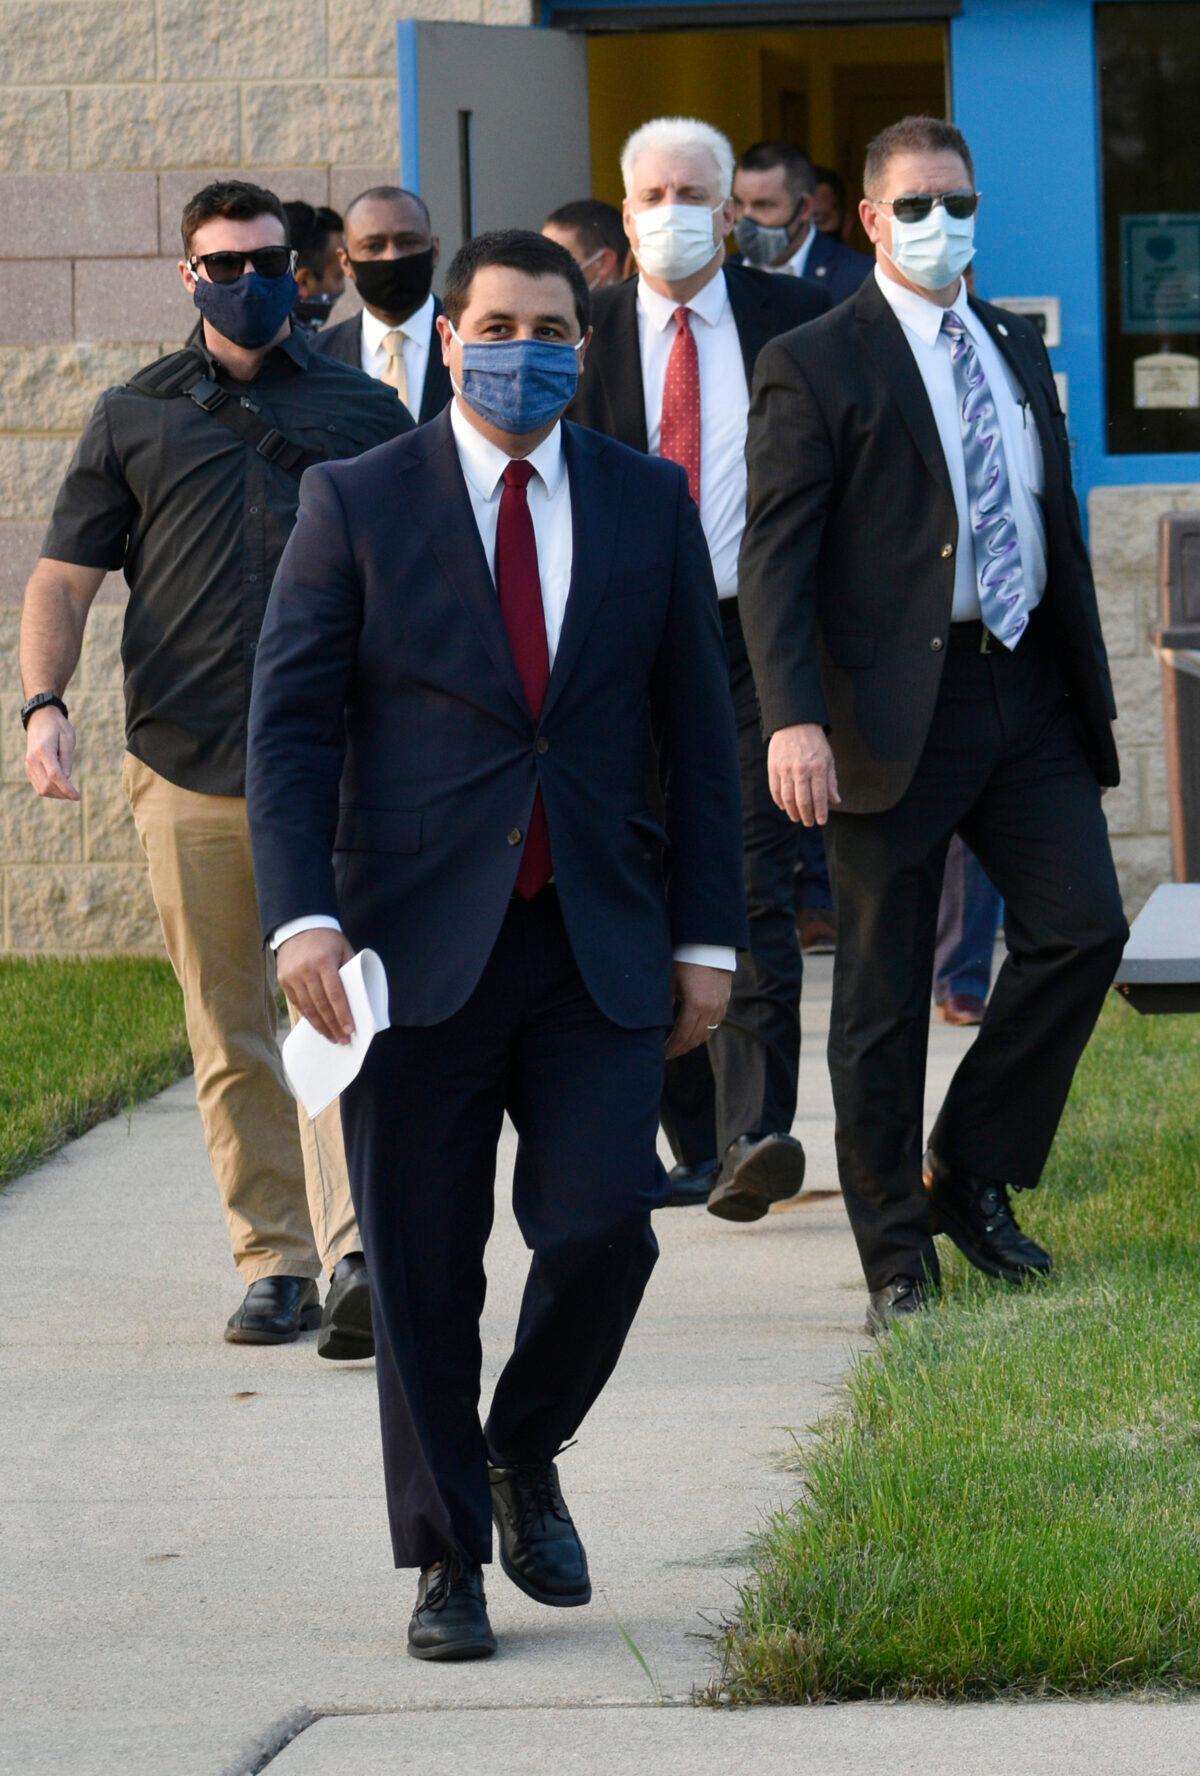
(319, 1070)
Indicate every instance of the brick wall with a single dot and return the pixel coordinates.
(112, 112)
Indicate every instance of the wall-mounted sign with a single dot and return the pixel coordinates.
(1044, 311)
(1160, 274)
(1166, 379)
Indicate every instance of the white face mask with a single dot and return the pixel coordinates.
(935, 251)
(675, 240)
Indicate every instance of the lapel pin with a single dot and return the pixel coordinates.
(1001, 328)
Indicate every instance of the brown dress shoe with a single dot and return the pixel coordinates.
(962, 1008)
(817, 931)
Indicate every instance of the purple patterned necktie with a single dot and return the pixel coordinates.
(998, 569)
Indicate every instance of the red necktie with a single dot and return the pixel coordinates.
(520, 588)
(680, 435)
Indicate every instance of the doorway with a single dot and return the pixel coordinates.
(828, 89)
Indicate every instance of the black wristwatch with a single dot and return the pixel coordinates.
(43, 700)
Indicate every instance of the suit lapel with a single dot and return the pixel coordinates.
(595, 481)
(455, 538)
(820, 262)
(883, 337)
(1030, 384)
(751, 313)
(618, 363)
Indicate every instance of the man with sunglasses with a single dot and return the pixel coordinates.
(187, 479)
(922, 623)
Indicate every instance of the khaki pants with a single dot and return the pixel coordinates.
(285, 1190)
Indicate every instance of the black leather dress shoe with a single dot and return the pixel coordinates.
(450, 1620)
(758, 1170)
(691, 1185)
(896, 1301)
(540, 1549)
(346, 1332)
(978, 1217)
(275, 1311)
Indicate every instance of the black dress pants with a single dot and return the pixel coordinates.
(422, 1121)
(743, 1082)
(1003, 767)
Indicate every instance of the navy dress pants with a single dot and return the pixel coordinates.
(422, 1122)
(1003, 766)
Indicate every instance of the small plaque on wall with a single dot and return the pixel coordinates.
(1044, 311)
(1166, 379)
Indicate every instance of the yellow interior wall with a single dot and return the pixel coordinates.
(718, 75)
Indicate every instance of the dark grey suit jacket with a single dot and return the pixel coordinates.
(847, 566)
(343, 341)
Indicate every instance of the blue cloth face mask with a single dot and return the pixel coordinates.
(518, 385)
(251, 310)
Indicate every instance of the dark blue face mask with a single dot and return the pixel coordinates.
(518, 385)
(249, 311)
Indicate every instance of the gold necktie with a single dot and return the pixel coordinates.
(395, 375)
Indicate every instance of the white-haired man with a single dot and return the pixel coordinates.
(669, 371)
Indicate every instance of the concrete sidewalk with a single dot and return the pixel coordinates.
(195, 1567)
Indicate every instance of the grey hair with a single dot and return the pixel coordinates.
(680, 135)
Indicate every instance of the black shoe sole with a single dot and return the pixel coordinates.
(553, 1599)
(350, 1336)
(454, 1651)
(772, 1174)
(982, 1260)
(310, 1319)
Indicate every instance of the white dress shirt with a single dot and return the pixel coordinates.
(922, 322)
(417, 331)
(724, 411)
(549, 498)
(794, 267)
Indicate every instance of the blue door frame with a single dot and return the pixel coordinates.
(1024, 82)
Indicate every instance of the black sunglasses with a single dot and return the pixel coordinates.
(227, 268)
(959, 204)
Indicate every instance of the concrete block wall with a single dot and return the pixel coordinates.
(112, 112)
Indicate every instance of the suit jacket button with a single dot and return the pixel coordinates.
(947, 551)
(937, 644)
(543, 745)
(514, 837)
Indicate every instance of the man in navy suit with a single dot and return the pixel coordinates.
(773, 193)
(466, 641)
(389, 256)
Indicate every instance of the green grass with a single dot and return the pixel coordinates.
(80, 1040)
(1009, 1503)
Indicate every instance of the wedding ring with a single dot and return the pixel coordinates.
(712, 1026)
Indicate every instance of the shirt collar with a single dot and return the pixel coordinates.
(295, 347)
(918, 313)
(709, 303)
(417, 327)
(799, 258)
(483, 463)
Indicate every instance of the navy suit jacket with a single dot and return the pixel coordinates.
(393, 758)
(343, 341)
(837, 268)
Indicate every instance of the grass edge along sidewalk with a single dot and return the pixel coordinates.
(81, 1039)
(1008, 1503)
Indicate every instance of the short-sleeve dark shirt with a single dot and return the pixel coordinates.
(197, 520)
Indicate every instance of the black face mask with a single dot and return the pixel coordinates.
(396, 286)
(311, 312)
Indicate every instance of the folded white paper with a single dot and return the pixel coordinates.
(319, 1070)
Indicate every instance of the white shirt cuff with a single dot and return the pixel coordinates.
(293, 927)
(707, 956)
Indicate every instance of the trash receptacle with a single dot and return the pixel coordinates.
(1176, 640)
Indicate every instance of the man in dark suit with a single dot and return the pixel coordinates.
(923, 626)
(389, 256)
(465, 644)
(773, 192)
(669, 371)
